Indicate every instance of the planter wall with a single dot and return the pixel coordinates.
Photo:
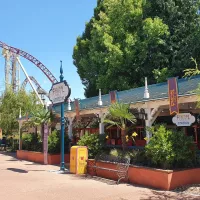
(106, 173)
(38, 157)
(155, 178)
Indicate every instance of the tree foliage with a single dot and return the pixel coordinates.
(127, 40)
(182, 18)
(10, 106)
(94, 143)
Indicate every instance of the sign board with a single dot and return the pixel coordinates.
(183, 119)
(59, 92)
(45, 143)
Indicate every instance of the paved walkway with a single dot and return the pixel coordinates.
(22, 180)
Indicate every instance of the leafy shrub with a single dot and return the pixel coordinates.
(94, 142)
(137, 156)
(120, 153)
(170, 149)
(54, 142)
(31, 142)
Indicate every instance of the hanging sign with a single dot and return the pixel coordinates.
(59, 92)
(183, 119)
(173, 96)
(113, 97)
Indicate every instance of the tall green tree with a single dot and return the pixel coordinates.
(182, 18)
(129, 39)
(10, 105)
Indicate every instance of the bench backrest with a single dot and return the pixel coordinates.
(110, 158)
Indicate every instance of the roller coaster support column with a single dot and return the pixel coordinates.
(30, 81)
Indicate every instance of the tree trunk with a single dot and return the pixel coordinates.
(123, 138)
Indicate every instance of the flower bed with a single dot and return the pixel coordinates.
(38, 157)
(155, 178)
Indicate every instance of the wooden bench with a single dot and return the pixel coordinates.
(122, 165)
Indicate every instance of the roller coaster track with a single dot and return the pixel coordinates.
(39, 88)
(32, 59)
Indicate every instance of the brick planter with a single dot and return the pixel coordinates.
(155, 178)
(38, 157)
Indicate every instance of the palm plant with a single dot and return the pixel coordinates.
(118, 115)
(39, 117)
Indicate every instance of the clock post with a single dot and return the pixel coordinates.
(62, 165)
(59, 94)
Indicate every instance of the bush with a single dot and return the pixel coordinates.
(54, 143)
(120, 153)
(137, 156)
(32, 142)
(170, 149)
(94, 142)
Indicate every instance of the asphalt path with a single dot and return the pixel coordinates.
(22, 180)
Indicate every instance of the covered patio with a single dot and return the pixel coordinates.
(150, 105)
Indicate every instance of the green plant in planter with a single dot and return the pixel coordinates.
(94, 143)
(170, 149)
(54, 142)
(32, 142)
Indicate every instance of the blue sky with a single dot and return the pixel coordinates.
(46, 29)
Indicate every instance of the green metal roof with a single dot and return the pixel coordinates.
(156, 91)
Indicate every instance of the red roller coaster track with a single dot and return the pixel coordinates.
(29, 57)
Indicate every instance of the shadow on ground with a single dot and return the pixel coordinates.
(17, 170)
(13, 160)
(23, 171)
(156, 195)
(11, 154)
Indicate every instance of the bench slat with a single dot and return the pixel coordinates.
(115, 170)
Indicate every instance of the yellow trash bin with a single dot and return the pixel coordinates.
(78, 159)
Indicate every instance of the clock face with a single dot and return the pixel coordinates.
(59, 92)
